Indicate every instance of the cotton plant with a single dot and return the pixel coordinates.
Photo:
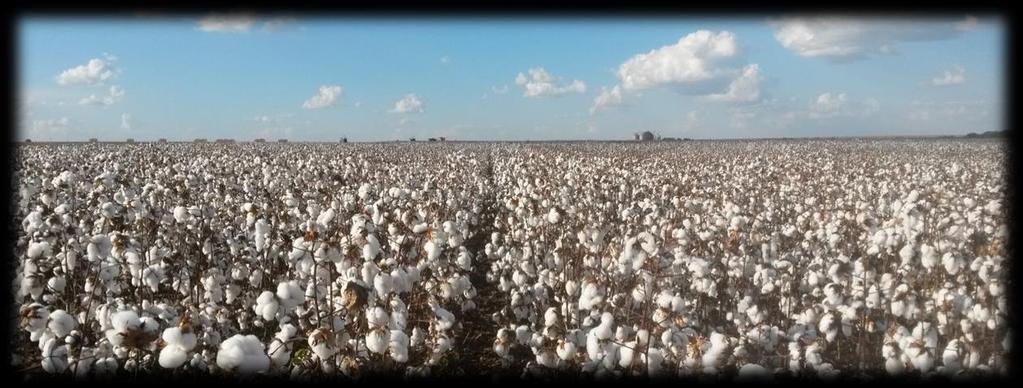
(818, 259)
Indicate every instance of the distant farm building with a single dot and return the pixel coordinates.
(644, 136)
(261, 140)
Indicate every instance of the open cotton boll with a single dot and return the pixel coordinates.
(377, 317)
(383, 284)
(181, 214)
(553, 216)
(54, 357)
(591, 296)
(398, 346)
(432, 250)
(186, 340)
(377, 340)
(172, 356)
(550, 317)
(445, 318)
(266, 305)
(61, 323)
(321, 341)
(290, 294)
(243, 354)
(566, 350)
(124, 320)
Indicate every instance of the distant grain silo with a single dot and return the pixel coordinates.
(261, 140)
(646, 136)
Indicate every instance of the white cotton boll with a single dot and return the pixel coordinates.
(566, 350)
(604, 330)
(928, 256)
(894, 366)
(244, 354)
(290, 294)
(124, 320)
(550, 317)
(61, 323)
(951, 263)
(377, 317)
(54, 357)
(377, 339)
(279, 352)
(590, 297)
(266, 306)
(181, 214)
(625, 354)
(906, 254)
(371, 249)
(951, 358)
(172, 356)
(260, 235)
(445, 318)
(383, 284)
(322, 344)
(553, 216)
(593, 346)
(432, 250)
(398, 346)
(464, 260)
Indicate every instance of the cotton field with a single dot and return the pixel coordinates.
(706, 259)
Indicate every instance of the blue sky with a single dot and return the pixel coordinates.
(319, 79)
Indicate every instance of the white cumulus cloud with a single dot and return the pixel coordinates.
(540, 83)
(844, 39)
(950, 77)
(326, 96)
(114, 94)
(745, 88)
(408, 104)
(607, 98)
(94, 72)
(839, 104)
(694, 58)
